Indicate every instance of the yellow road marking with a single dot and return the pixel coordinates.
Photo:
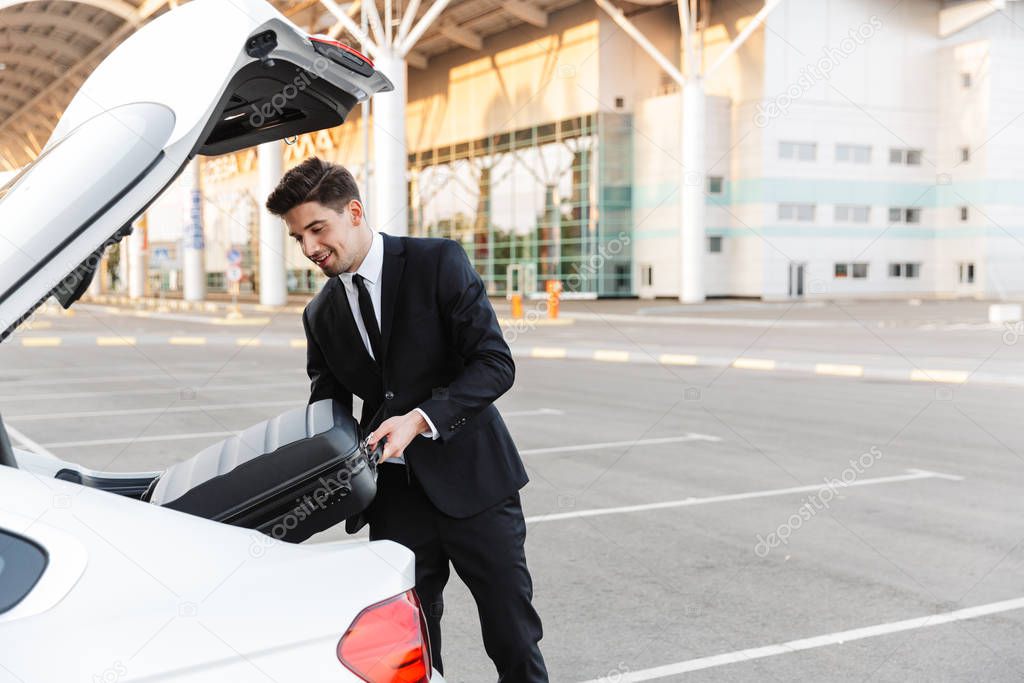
(547, 352)
(40, 341)
(943, 376)
(839, 370)
(676, 359)
(611, 356)
(753, 364)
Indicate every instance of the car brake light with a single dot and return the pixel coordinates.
(341, 46)
(388, 642)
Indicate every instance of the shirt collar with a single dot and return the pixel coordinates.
(372, 264)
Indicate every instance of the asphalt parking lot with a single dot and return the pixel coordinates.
(732, 492)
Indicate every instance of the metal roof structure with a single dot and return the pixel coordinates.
(49, 47)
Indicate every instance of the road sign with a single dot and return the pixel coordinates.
(234, 256)
(233, 273)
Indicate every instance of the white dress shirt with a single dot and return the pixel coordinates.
(371, 269)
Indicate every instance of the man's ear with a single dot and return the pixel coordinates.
(355, 209)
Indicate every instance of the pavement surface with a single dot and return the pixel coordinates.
(717, 492)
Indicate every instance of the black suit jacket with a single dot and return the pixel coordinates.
(443, 352)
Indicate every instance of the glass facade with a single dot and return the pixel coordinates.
(549, 202)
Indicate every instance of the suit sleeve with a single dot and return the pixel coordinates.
(488, 370)
(322, 382)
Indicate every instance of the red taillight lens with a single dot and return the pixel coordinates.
(341, 46)
(387, 642)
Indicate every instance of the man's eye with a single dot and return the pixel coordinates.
(317, 229)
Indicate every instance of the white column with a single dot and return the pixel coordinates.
(692, 209)
(122, 266)
(273, 289)
(193, 263)
(96, 286)
(137, 260)
(390, 155)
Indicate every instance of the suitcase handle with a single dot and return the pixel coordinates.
(373, 457)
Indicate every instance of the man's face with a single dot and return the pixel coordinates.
(332, 240)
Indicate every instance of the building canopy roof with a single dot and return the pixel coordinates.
(49, 47)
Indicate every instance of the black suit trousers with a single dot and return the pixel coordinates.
(486, 551)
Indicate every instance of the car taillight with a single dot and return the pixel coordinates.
(323, 40)
(388, 642)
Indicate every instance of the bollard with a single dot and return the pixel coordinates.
(517, 306)
(554, 290)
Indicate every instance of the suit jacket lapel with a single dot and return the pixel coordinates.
(394, 264)
(345, 320)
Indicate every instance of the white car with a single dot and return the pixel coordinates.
(95, 584)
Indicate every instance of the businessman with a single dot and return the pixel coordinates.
(405, 324)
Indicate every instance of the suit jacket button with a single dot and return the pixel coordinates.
(389, 395)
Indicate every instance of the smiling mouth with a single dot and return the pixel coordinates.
(320, 260)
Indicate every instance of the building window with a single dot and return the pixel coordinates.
(965, 154)
(852, 214)
(910, 271)
(899, 214)
(965, 79)
(908, 157)
(964, 214)
(858, 271)
(714, 244)
(486, 194)
(966, 273)
(798, 151)
(715, 184)
(853, 154)
(803, 213)
(647, 275)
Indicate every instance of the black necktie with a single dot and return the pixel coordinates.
(369, 319)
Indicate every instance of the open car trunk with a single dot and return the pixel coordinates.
(210, 77)
(289, 477)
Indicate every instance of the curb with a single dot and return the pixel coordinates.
(943, 376)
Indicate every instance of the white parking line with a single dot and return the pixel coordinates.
(191, 435)
(28, 443)
(813, 642)
(146, 411)
(529, 413)
(139, 439)
(31, 417)
(690, 436)
(911, 475)
(139, 378)
(240, 386)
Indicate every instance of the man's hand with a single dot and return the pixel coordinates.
(400, 430)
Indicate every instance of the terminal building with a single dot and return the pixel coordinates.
(784, 150)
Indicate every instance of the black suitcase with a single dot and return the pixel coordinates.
(289, 477)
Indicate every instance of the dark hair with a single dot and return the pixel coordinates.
(314, 180)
